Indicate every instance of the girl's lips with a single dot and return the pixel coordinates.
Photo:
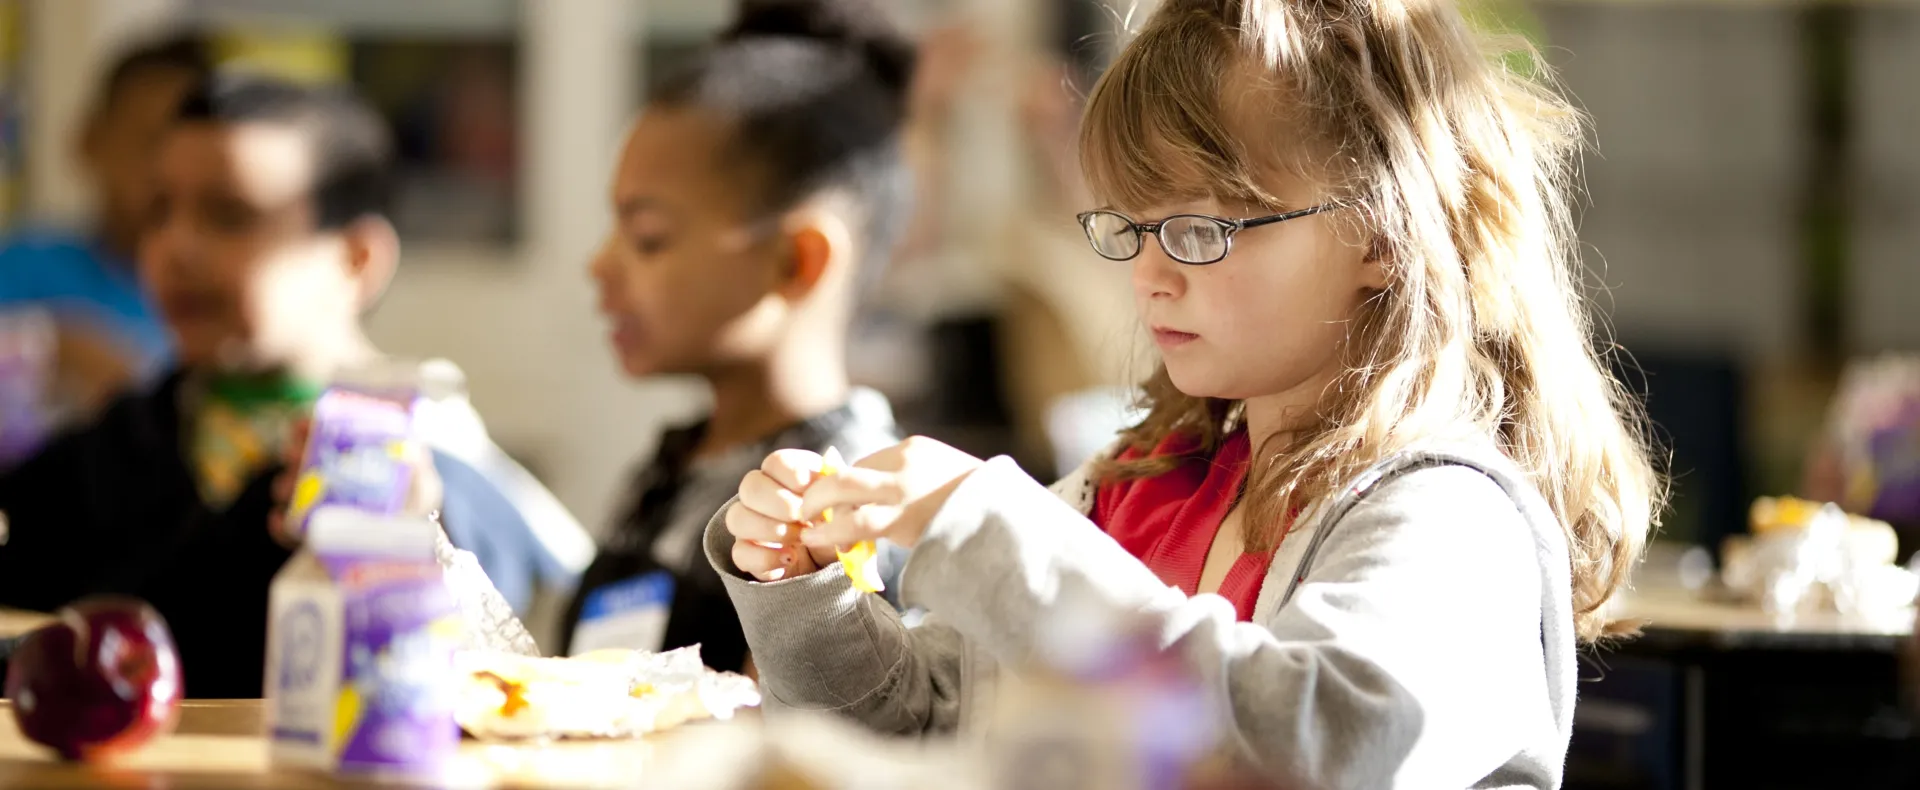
(625, 336)
(1169, 338)
(622, 330)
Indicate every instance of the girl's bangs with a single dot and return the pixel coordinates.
(1155, 131)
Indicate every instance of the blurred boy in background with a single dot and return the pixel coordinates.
(268, 240)
(109, 337)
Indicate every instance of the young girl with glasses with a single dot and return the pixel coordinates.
(1385, 486)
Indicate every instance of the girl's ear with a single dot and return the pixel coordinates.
(810, 251)
(818, 245)
(1373, 268)
(373, 253)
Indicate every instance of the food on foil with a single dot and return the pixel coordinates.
(602, 694)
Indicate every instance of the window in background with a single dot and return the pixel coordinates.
(445, 73)
(453, 109)
(671, 32)
(664, 54)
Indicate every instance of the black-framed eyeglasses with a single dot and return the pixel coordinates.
(1193, 239)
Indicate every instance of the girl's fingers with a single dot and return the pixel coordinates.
(770, 563)
(746, 524)
(762, 494)
(851, 488)
(792, 470)
(819, 556)
(850, 526)
(759, 561)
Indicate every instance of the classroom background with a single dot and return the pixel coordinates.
(1752, 215)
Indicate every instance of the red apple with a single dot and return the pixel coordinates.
(103, 678)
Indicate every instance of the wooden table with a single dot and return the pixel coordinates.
(1675, 616)
(14, 622)
(218, 745)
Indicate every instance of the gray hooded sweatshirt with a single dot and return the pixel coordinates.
(1414, 631)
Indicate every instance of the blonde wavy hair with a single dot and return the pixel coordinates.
(1463, 170)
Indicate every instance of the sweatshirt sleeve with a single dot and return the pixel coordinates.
(1412, 649)
(821, 645)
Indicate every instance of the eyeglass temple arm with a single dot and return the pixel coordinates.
(1269, 220)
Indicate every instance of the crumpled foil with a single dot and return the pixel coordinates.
(606, 694)
(1788, 571)
(491, 624)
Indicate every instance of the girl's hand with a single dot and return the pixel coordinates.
(766, 523)
(891, 494)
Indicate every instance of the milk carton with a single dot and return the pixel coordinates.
(1101, 706)
(360, 649)
(363, 438)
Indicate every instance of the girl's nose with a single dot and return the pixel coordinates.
(601, 267)
(1156, 276)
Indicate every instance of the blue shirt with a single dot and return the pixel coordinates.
(480, 518)
(81, 280)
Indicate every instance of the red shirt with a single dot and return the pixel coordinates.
(1169, 521)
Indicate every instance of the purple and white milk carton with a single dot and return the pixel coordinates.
(360, 650)
(363, 435)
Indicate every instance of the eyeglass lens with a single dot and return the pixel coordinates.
(1112, 235)
(1185, 238)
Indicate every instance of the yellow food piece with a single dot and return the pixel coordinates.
(346, 716)
(306, 494)
(862, 561)
(1869, 540)
(1776, 513)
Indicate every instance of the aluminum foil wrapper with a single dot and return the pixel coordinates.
(605, 694)
(491, 624)
(1823, 564)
